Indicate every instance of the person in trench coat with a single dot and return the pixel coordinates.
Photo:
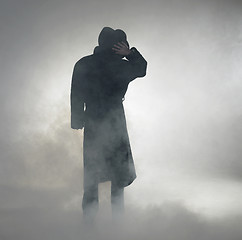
(99, 84)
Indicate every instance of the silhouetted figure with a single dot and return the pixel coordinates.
(99, 83)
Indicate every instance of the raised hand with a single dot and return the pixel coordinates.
(122, 49)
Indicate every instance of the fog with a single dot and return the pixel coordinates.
(184, 119)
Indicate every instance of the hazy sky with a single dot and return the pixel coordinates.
(184, 118)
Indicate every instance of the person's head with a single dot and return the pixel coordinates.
(108, 37)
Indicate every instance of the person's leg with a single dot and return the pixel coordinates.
(90, 200)
(117, 199)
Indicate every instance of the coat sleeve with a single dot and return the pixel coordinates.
(77, 101)
(136, 65)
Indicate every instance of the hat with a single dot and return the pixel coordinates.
(108, 37)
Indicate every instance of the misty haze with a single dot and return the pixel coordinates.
(183, 120)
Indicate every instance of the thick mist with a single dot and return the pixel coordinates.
(184, 119)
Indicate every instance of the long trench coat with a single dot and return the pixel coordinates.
(99, 84)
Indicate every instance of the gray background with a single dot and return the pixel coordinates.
(184, 119)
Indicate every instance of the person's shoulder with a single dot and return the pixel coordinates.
(84, 60)
(124, 61)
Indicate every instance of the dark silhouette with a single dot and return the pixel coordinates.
(99, 83)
